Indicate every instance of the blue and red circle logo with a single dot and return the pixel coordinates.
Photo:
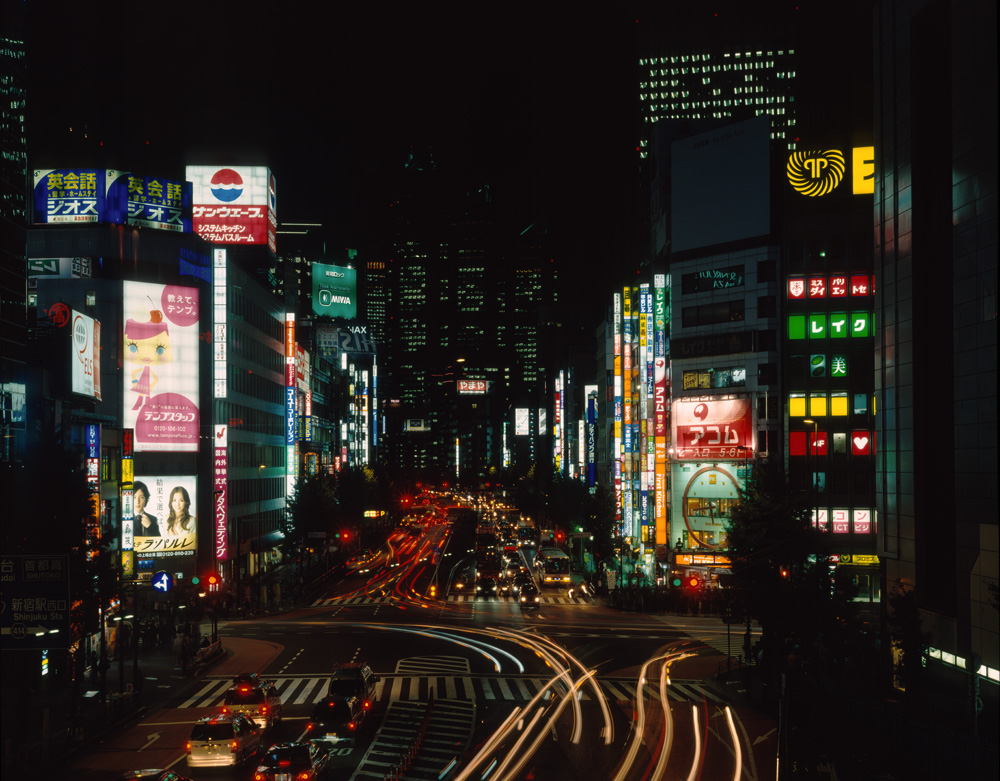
(227, 185)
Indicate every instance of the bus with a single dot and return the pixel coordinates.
(552, 567)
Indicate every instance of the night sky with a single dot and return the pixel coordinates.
(540, 106)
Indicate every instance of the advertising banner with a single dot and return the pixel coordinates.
(86, 361)
(713, 429)
(154, 202)
(334, 291)
(522, 422)
(163, 520)
(160, 354)
(234, 204)
(78, 195)
(220, 504)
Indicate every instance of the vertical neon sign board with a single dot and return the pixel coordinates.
(221, 504)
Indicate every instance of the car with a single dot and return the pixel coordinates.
(337, 720)
(224, 739)
(519, 582)
(260, 702)
(153, 774)
(353, 679)
(287, 761)
(461, 583)
(503, 588)
(529, 598)
(486, 587)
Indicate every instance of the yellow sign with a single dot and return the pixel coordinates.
(128, 471)
(128, 563)
(816, 173)
(863, 170)
(859, 559)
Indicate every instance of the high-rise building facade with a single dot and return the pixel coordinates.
(935, 217)
(13, 224)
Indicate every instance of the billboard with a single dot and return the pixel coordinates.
(162, 204)
(234, 204)
(85, 373)
(80, 195)
(474, 387)
(334, 291)
(720, 185)
(522, 422)
(162, 515)
(712, 429)
(160, 355)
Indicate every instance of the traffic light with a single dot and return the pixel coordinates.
(560, 536)
(213, 582)
(692, 582)
(676, 581)
(784, 573)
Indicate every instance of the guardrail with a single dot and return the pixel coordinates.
(397, 771)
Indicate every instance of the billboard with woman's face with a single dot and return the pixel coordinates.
(163, 515)
(160, 359)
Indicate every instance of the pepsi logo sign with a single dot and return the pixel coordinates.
(227, 185)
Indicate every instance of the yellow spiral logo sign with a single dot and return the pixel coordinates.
(815, 173)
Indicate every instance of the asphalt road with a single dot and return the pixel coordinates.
(474, 688)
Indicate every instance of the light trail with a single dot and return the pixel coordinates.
(738, 763)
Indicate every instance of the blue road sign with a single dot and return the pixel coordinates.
(163, 581)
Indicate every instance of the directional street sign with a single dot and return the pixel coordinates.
(163, 581)
(34, 603)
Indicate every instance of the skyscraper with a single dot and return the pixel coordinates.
(935, 304)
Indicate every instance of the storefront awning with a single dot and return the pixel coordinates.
(266, 541)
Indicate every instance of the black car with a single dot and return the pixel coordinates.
(337, 720)
(487, 587)
(353, 679)
(293, 760)
(520, 581)
(529, 598)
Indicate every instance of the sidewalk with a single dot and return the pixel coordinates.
(42, 726)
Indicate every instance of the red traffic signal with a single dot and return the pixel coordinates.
(692, 582)
(784, 573)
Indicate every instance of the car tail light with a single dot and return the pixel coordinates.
(233, 745)
(305, 775)
(284, 763)
(187, 747)
(225, 710)
(366, 704)
(310, 725)
(351, 725)
(263, 709)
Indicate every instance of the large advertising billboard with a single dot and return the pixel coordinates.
(160, 354)
(163, 519)
(712, 429)
(334, 291)
(86, 361)
(234, 204)
(79, 195)
(163, 204)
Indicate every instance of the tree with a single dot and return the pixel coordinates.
(313, 508)
(780, 569)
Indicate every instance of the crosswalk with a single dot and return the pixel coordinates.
(307, 690)
(545, 600)
(361, 601)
